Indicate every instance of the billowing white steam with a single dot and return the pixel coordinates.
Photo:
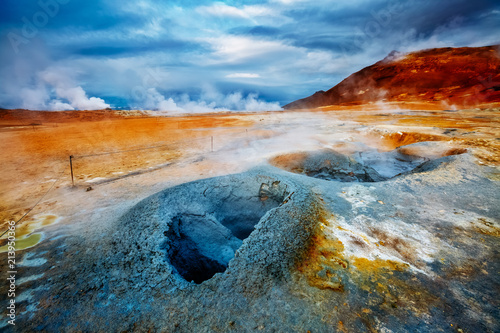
(68, 95)
(210, 101)
(74, 95)
(55, 91)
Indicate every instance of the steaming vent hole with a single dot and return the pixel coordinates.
(201, 245)
(368, 166)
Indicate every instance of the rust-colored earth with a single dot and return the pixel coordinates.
(36, 145)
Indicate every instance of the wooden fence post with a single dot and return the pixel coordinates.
(71, 167)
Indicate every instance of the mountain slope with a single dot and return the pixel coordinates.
(464, 76)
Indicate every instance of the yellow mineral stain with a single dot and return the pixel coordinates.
(324, 255)
(325, 265)
(486, 227)
(39, 221)
(373, 266)
(341, 327)
(323, 261)
(24, 243)
(394, 140)
(49, 219)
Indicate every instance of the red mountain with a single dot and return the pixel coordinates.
(464, 77)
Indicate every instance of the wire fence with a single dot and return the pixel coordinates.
(206, 142)
(137, 149)
(153, 157)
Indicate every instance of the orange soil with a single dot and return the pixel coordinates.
(33, 156)
(477, 128)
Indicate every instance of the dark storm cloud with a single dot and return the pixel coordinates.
(382, 19)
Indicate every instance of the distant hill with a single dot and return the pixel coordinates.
(465, 76)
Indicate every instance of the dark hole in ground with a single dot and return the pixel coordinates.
(188, 256)
(199, 246)
(241, 226)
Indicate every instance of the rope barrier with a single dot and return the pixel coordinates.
(172, 144)
(137, 149)
(111, 153)
(153, 147)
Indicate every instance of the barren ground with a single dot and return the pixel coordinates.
(150, 153)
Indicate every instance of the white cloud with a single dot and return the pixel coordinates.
(321, 62)
(39, 98)
(78, 98)
(262, 14)
(243, 76)
(288, 2)
(34, 98)
(155, 101)
(230, 48)
(494, 12)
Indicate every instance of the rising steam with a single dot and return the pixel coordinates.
(210, 101)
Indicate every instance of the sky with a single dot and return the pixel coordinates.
(200, 56)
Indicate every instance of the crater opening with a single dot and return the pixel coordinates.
(366, 166)
(199, 245)
(327, 165)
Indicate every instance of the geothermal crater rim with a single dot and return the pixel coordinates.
(201, 244)
(367, 166)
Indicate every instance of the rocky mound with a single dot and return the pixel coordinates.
(369, 166)
(463, 77)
